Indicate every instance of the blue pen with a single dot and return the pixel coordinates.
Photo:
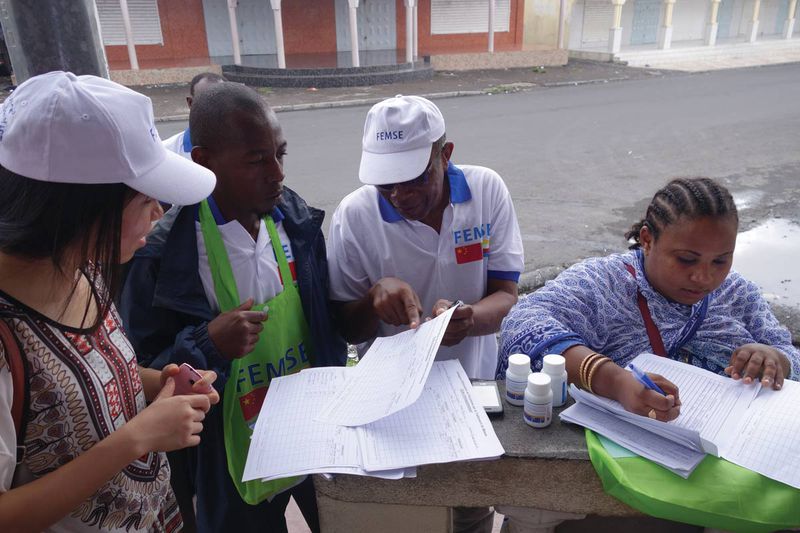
(645, 380)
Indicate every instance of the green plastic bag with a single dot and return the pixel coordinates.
(283, 347)
(718, 494)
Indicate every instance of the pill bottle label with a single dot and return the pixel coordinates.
(515, 391)
(537, 415)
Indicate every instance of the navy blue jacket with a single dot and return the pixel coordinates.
(164, 306)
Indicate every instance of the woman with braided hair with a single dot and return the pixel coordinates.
(675, 281)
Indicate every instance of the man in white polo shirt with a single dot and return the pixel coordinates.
(181, 142)
(421, 234)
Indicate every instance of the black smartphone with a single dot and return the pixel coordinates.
(488, 396)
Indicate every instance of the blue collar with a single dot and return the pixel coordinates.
(187, 141)
(276, 213)
(459, 193)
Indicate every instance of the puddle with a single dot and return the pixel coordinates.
(747, 199)
(768, 255)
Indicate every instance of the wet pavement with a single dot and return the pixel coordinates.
(768, 255)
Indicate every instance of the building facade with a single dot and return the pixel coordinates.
(184, 33)
(614, 25)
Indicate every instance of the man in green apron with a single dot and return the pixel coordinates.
(238, 284)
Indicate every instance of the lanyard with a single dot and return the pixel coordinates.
(686, 333)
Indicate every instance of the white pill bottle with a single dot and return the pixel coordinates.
(555, 366)
(538, 411)
(519, 367)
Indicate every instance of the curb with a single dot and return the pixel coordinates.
(583, 82)
(375, 100)
(337, 104)
(535, 279)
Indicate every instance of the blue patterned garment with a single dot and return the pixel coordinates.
(593, 303)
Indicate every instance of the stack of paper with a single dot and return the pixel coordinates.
(753, 427)
(393, 411)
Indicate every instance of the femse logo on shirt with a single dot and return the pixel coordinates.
(472, 243)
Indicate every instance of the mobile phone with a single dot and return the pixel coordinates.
(488, 396)
(186, 378)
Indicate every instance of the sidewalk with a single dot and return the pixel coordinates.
(169, 101)
(728, 54)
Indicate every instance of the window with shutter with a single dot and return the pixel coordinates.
(145, 22)
(468, 16)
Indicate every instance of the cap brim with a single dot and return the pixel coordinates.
(176, 180)
(396, 167)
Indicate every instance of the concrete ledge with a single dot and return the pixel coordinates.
(161, 76)
(485, 60)
(337, 516)
(507, 481)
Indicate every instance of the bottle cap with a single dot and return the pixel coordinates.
(519, 363)
(539, 383)
(553, 363)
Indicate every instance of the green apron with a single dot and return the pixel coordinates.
(718, 494)
(283, 347)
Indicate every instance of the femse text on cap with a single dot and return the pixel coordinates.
(63, 128)
(398, 135)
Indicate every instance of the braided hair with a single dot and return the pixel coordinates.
(684, 197)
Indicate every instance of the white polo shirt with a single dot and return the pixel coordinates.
(255, 268)
(479, 239)
(180, 143)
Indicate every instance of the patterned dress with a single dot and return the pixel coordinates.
(83, 386)
(593, 303)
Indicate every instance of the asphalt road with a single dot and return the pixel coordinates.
(582, 162)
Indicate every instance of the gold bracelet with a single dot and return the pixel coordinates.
(580, 369)
(584, 368)
(593, 371)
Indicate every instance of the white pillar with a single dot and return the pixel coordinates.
(665, 32)
(277, 19)
(713, 26)
(353, 9)
(752, 28)
(491, 26)
(615, 33)
(410, 30)
(562, 15)
(237, 55)
(126, 21)
(788, 26)
(416, 30)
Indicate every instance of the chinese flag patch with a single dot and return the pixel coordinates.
(251, 403)
(469, 253)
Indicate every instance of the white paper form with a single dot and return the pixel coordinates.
(767, 438)
(287, 440)
(675, 457)
(390, 376)
(683, 436)
(707, 399)
(445, 424)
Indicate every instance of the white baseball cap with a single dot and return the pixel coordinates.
(63, 128)
(398, 135)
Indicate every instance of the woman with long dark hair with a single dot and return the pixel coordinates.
(81, 173)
